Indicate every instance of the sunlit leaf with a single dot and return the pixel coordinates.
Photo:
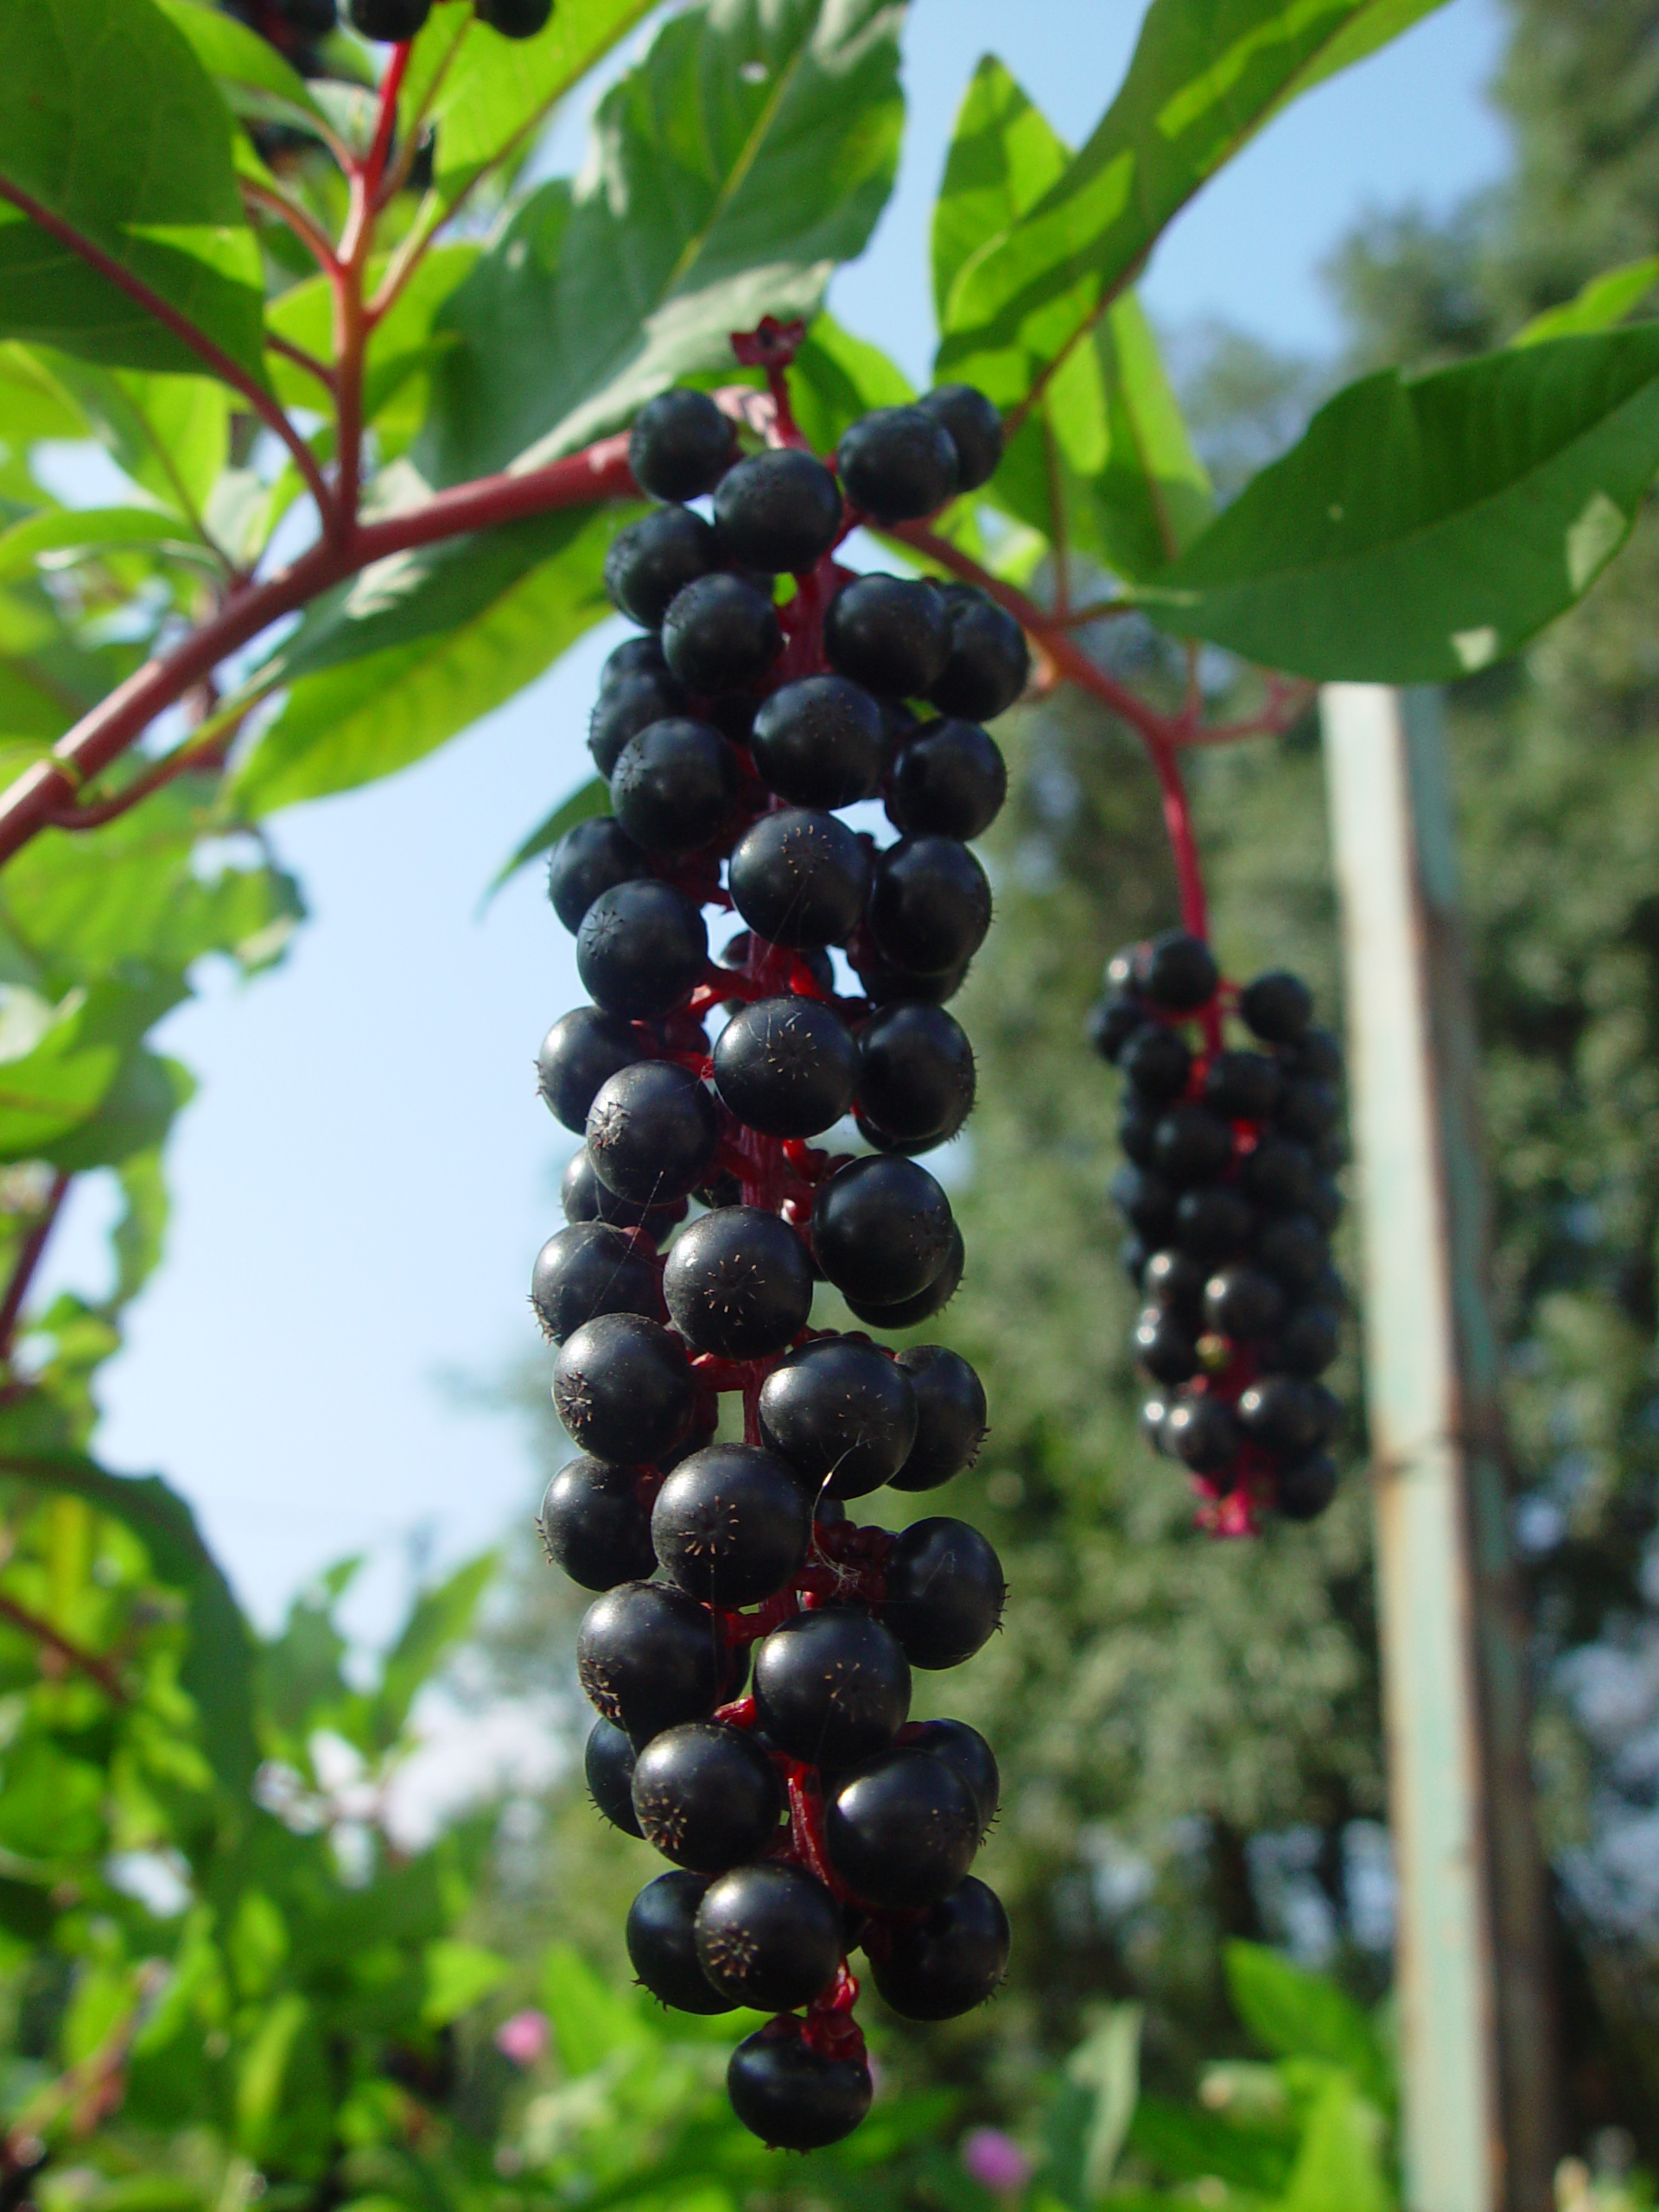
(1602, 304)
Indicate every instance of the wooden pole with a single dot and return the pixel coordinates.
(1478, 2051)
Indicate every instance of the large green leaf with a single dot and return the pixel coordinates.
(1205, 75)
(421, 647)
(400, 344)
(751, 150)
(109, 123)
(1424, 527)
(71, 531)
(1340, 2166)
(252, 76)
(54, 1088)
(1302, 2015)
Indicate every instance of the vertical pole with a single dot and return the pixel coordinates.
(1476, 2033)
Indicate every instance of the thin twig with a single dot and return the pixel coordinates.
(1286, 705)
(29, 1258)
(87, 1662)
(289, 212)
(302, 359)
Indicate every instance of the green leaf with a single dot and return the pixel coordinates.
(171, 434)
(1151, 495)
(132, 1118)
(1424, 527)
(487, 94)
(252, 76)
(590, 2021)
(422, 646)
(1204, 77)
(1302, 2015)
(110, 123)
(751, 150)
(262, 2068)
(1340, 2166)
(76, 530)
(1188, 2144)
(401, 344)
(591, 798)
(46, 1093)
(458, 1976)
(1603, 304)
(438, 1619)
(836, 378)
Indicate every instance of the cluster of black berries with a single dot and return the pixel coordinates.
(806, 1818)
(394, 21)
(1230, 1201)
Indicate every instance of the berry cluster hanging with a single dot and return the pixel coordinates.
(805, 1819)
(291, 24)
(1230, 1201)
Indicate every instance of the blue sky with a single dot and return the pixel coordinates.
(366, 1174)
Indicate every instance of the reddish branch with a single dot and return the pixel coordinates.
(29, 1258)
(73, 1655)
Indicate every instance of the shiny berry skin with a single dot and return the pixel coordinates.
(1308, 1342)
(584, 1198)
(634, 657)
(950, 1961)
(989, 662)
(881, 1229)
(841, 1414)
(588, 1270)
(663, 1943)
(623, 1387)
(777, 511)
(1163, 1344)
(966, 1751)
(1303, 1492)
(885, 982)
(951, 1416)
(793, 2097)
(653, 560)
(649, 1657)
(680, 445)
(390, 20)
(608, 1766)
(730, 1525)
(820, 742)
(640, 948)
(514, 18)
(945, 1592)
(1213, 1223)
(787, 1066)
(1178, 972)
(769, 1936)
(929, 904)
(1156, 1062)
(902, 1830)
(800, 878)
(595, 856)
(1112, 1022)
(1189, 1144)
(950, 778)
(1175, 1281)
(1242, 1086)
(1243, 1305)
(720, 634)
(915, 1075)
(975, 429)
(1204, 1434)
(632, 703)
(911, 1312)
(832, 1687)
(1276, 1007)
(651, 1132)
(707, 1797)
(889, 634)
(898, 464)
(739, 1282)
(1279, 1174)
(1288, 1415)
(594, 1526)
(673, 785)
(579, 1052)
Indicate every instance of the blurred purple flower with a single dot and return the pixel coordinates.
(523, 2037)
(995, 2161)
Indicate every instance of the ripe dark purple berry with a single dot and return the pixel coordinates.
(951, 1416)
(1190, 1145)
(950, 1961)
(595, 857)
(777, 511)
(390, 21)
(793, 2097)
(975, 431)
(586, 1199)
(720, 634)
(911, 1312)
(651, 1132)
(608, 1766)
(680, 445)
(312, 18)
(673, 785)
(899, 463)
(1163, 1343)
(632, 704)
(623, 1388)
(800, 878)
(929, 904)
(739, 1282)
(769, 1936)
(707, 1797)
(1214, 1223)
(1292, 1248)
(1204, 1434)
(1308, 1342)
(1156, 1061)
(588, 1270)
(640, 948)
(945, 1592)
(902, 1830)
(653, 560)
(787, 1066)
(820, 742)
(1241, 1086)
(950, 778)
(1178, 972)
(1243, 1305)
(841, 1414)
(1288, 1415)
(730, 1525)
(595, 1525)
(915, 1075)
(889, 634)
(514, 18)
(832, 1687)
(1112, 1022)
(1279, 1174)
(967, 1751)
(634, 657)
(662, 1943)
(881, 1229)
(988, 664)
(1303, 1492)
(1175, 1280)
(649, 1657)
(579, 1052)
(1146, 1201)
(1276, 1007)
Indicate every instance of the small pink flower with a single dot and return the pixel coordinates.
(523, 2037)
(995, 2161)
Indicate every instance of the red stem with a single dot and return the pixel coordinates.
(184, 330)
(29, 1258)
(391, 85)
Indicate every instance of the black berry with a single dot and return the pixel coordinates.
(902, 1830)
(1276, 1006)
(820, 742)
(899, 463)
(800, 877)
(608, 1766)
(950, 776)
(634, 657)
(514, 18)
(841, 1414)
(777, 511)
(967, 1751)
(1203, 1432)
(623, 1388)
(632, 703)
(915, 1075)
(890, 633)
(720, 634)
(651, 1132)
(910, 1313)
(579, 1052)
(649, 1657)
(586, 1199)
(881, 1229)
(989, 662)
(673, 785)
(1243, 1304)
(588, 1270)
(950, 1960)
(640, 948)
(832, 1687)
(951, 1416)
(975, 431)
(929, 904)
(595, 1525)
(945, 1592)
(707, 1795)
(739, 1282)
(787, 1066)
(1178, 972)
(393, 20)
(769, 1936)
(680, 445)
(1305, 1490)
(653, 560)
(663, 1942)
(792, 2096)
(730, 1525)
